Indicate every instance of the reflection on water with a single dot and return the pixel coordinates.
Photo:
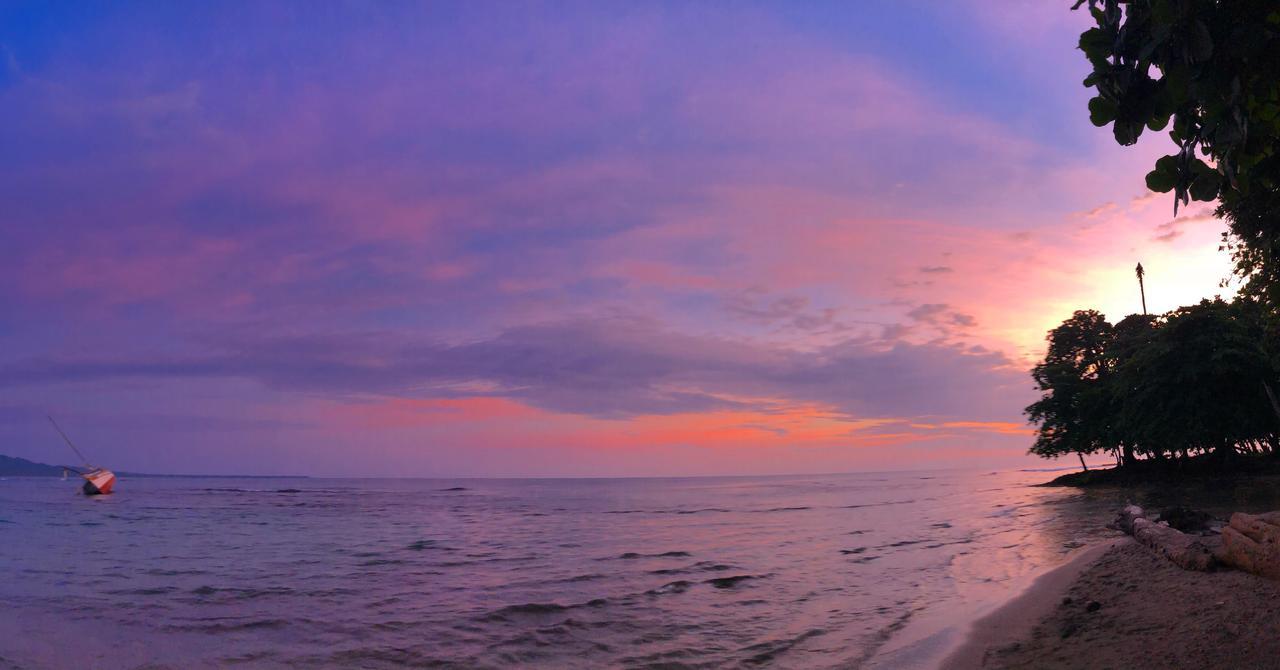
(811, 571)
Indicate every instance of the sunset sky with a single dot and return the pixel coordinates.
(556, 238)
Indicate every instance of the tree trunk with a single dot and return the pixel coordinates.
(1271, 395)
(1224, 452)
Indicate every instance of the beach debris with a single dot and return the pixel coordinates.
(1124, 522)
(1251, 542)
(1186, 551)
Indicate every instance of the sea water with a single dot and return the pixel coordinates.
(874, 569)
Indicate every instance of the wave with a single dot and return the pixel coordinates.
(901, 543)
(632, 555)
(537, 609)
(765, 652)
(374, 562)
(879, 504)
(703, 510)
(379, 657)
(700, 510)
(158, 572)
(423, 545)
(155, 591)
(679, 586)
(237, 593)
(729, 582)
(229, 627)
(584, 578)
(700, 566)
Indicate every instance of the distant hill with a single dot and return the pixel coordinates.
(11, 466)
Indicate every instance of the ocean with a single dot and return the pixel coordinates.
(858, 570)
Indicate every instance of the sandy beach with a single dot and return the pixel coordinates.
(1017, 618)
(1119, 605)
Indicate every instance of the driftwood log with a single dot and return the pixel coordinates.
(1251, 542)
(1186, 551)
(1128, 515)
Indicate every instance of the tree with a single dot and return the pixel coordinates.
(1197, 384)
(1211, 68)
(1188, 382)
(1132, 334)
(1072, 413)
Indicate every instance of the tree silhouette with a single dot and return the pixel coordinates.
(1188, 382)
(1072, 413)
(1209, 70)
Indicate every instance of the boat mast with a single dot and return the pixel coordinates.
(68, 441)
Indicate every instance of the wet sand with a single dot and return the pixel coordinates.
(1017, 618)
(1128, 608)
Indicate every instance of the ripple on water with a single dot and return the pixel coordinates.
(730, 582)
(239, 593)
(428, 545)
(632, 555)
(763, 653)
(230, 626)
(403, 573)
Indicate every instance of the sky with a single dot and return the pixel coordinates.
(557, 239)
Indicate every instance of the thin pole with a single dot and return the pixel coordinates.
(1142, 289)
(67, 440)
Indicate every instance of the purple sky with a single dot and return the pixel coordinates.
(555, 238)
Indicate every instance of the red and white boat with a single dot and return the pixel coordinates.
(97, 481)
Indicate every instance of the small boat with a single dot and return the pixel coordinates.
(97, 481)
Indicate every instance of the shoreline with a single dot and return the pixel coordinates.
(1015, 618)
(1133, 608)
(950, 637)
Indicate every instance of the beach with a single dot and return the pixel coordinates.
(1017, 618)
(1126, 607)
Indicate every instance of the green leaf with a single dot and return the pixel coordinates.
(1096, 44)
(1101, 111)
(1177, 82)
(1126, 132)
(1160, 181)
(1206, 186)
(1200, 42)
(1200, 168)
